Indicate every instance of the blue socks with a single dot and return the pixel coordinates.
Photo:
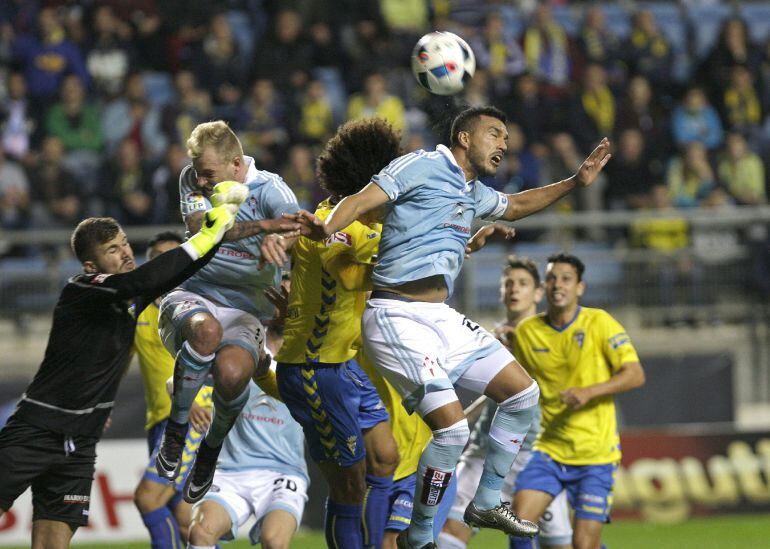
(434, 472)
(375, 510)
(524, 543)
(506, 434)
(225, 414)
(190, 371)
(164, 531)
(343, 526)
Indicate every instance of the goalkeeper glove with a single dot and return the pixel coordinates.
(230, 194)
(216, 223)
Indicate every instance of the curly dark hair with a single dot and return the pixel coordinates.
(358, 151)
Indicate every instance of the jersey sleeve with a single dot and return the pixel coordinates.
(616, 343)
(278, 198)
(191, 199)
(397, 178)
(490, 204)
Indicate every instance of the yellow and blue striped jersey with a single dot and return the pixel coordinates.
(410, 431)
(586, 351)
(156, 366)
(323, 321)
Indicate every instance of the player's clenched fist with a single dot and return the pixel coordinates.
(230, 194)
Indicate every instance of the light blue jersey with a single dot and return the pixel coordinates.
(428, 217)
(232, 278)
(264, 436)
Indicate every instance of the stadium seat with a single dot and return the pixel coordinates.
(25, 287)
(706, 22)
(757, 16)
(617, 19)
(568, 18)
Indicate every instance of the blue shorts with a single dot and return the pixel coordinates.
(402, 502)
(334, 404)
(589, 487)
(191, 444)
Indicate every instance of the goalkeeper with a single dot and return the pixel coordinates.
(49, 443)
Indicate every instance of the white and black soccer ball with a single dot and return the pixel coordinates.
(443, 62)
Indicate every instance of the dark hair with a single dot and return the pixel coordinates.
(467, 119)
(525, 263)
(563, 257)
(165, 236)
(90, 233)
(358, 151)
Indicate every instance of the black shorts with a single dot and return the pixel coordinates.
(60, 470)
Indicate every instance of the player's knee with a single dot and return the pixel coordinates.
(144, 499)
(203, 333)
(275, 538)
(201, 534)
(231, 377)
(455, 435)
(384, 458)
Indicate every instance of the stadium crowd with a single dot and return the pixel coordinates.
(97, 97)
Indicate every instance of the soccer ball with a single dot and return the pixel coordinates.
(443, 62)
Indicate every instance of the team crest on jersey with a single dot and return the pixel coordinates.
(579, 337)
(371, 236)
(351, 443)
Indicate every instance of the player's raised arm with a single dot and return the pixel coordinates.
(347, 210)
(528, 202)
(244, 229)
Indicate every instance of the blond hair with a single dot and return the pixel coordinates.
(216, 134)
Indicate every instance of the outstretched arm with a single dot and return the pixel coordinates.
(528, 202)
(346, 212)
(245, 229)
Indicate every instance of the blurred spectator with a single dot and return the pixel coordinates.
(593, 109)
(217, 62)
(262, 129)
(299, 174)
(284, 56)
(732, 48)
(18, 122)
(499, 54)
(530, 109)
(325, 48)
(46, 57)
(109, 55)
(367, 50)
(14, 195)
(376, 101)
(562, 162)
(547, 51)
(19, 15)
(477, 90)
(143, 22)
(597, 44)
(741, 108)
(764, 76)
(638, 110)
(165, 186)
(191, 107)
(665, 234)
(405, 17)
(316, 122)
(690, 178)
(132, 116)
(126, 186)
(629, 178)
(520, 169)
(56, 200)
(695, 120)
(648, 51)
(184, 24)
(73, 120)
(742, 172)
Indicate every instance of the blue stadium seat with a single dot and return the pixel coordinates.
(159, 87)
(617, 19)
(25, 286)
(243, 31)
(669, 20)
(568, 18)
(757, 15)
(706, 22)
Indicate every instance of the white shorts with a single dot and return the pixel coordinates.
(423, 348)
(555, 524)
(238, 327)
(256, 493)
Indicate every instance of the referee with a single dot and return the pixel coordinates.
(49, 443)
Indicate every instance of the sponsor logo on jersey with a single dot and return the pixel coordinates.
(339, 238)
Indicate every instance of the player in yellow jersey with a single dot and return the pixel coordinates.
(580, 357)
(344, 420)
(160, 503)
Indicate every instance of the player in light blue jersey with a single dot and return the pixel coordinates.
(213, 323)
(262, 473)
(421, 345)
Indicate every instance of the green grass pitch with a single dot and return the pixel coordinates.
(736, 532)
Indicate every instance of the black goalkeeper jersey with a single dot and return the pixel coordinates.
(90, 342)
